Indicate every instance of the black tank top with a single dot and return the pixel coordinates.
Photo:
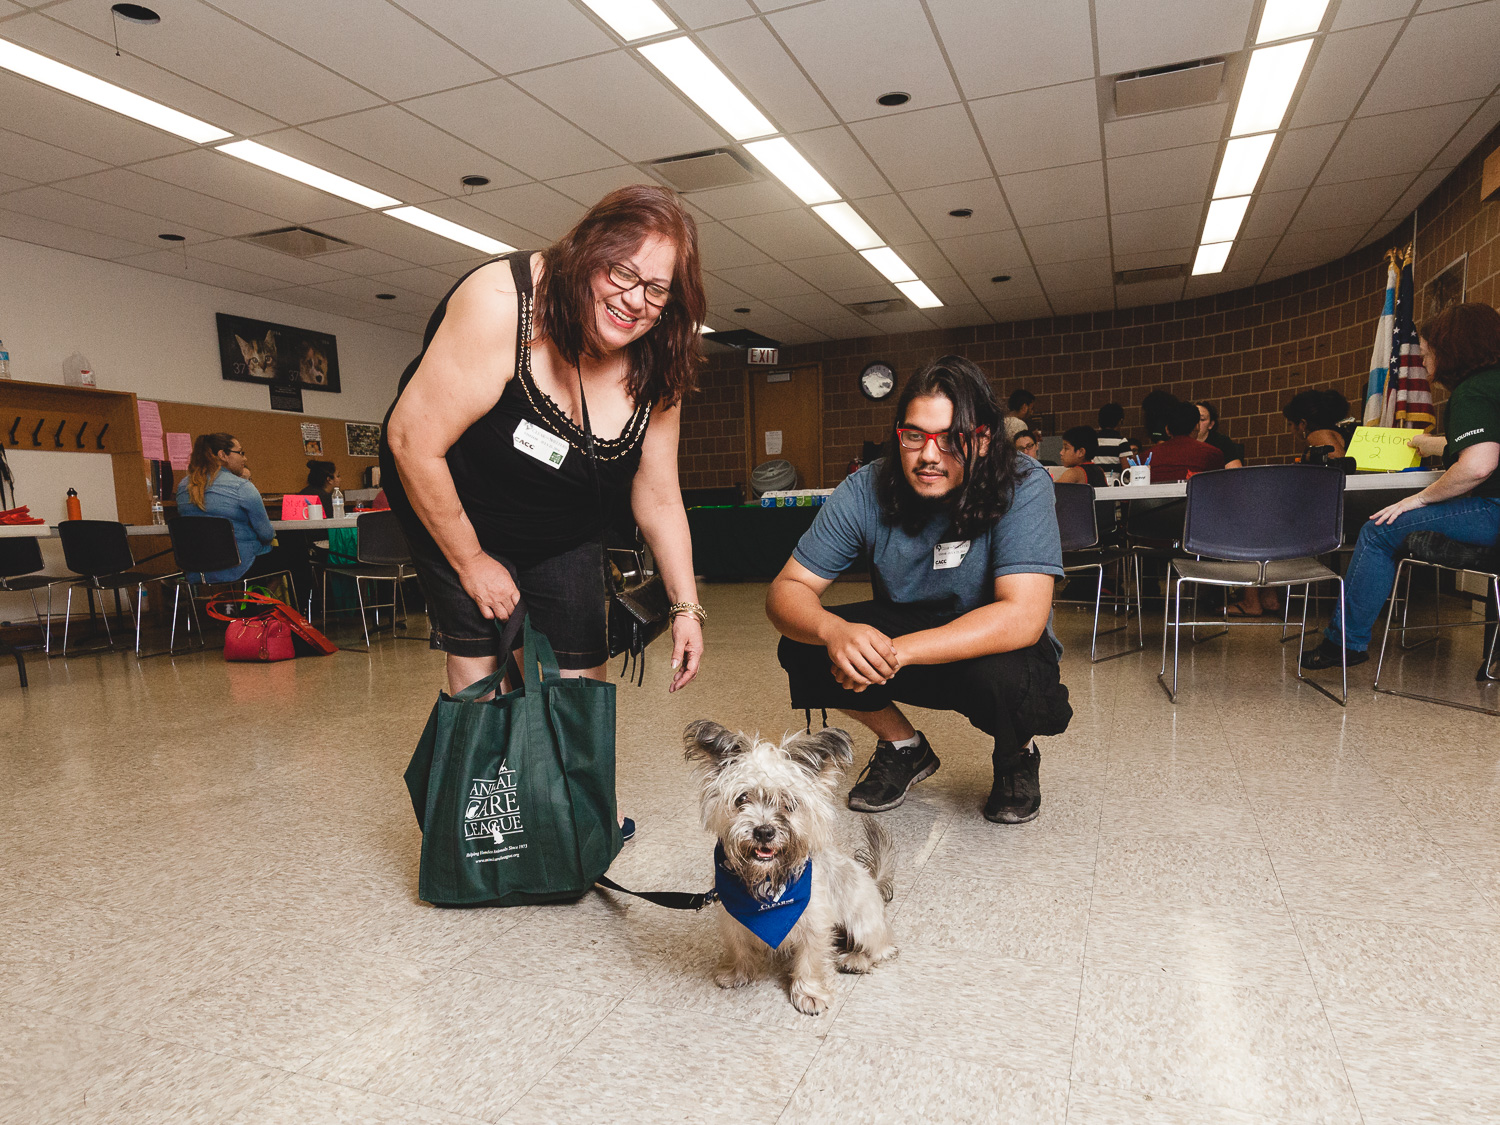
(524, 507)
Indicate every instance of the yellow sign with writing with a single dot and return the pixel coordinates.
(1383, 448)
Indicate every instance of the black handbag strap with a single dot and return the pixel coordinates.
(672, 900)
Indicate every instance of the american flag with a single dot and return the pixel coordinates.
(1380, 355)
(1408, 398)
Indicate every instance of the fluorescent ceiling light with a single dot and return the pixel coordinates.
(1211, 257)
(791, 168)
(888, 262)
(440, 226)
(918, 294)
(694, 73)
(704, 330)
(849, 226)
(633, 19)
(106, 94)
(1224, 219)
(1239, 171)
(309, 174)
(1285, 18)
(1269, 85)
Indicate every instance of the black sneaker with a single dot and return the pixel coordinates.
(1016, 796)
(1326, 655)
(890, 773)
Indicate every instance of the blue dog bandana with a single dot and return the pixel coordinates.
(767, 912)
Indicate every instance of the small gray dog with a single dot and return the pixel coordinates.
(788, 893)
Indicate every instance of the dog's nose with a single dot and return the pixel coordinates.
(764, 833)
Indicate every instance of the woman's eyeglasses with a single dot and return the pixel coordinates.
(627, 279)
(949, 441)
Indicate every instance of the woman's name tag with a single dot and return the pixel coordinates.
(946, 556)
(542, 444)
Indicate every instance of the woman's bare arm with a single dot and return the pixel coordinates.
(656, 503)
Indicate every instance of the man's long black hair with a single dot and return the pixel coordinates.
(989, 481)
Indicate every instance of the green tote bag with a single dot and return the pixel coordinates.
(516, 796)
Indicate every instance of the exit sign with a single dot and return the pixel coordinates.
(765, 355)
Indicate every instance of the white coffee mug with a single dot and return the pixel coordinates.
(1136, 474)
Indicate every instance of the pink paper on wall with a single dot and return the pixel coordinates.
(179, 449)
(151, 435)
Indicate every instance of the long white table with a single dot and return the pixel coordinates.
(1359, 482)
(43, 531)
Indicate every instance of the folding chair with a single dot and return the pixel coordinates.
(383, 557)
(1078, 524)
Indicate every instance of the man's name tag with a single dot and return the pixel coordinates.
(544, 445)
(946, 556)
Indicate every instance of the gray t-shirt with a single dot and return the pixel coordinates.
(927, 569)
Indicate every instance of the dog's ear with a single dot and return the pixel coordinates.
(709, 744)
(824, 754)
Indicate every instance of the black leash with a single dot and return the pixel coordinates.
(672, 900)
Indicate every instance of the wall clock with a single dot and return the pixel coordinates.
(877, 381)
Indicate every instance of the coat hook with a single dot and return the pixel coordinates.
(36, 434)
(57, 435)
(13, 439)
(99, 441)
(78, 437)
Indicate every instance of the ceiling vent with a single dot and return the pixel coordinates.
(875, 308)
(1169, 87)
(741, 338)
(1155, 273)
(699, 171)
(299, 242)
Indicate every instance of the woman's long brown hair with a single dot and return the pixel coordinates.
(1463, 338)
(204, 464)
(664, 362)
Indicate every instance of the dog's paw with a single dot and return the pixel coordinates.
(855, 961)
(731, 978)
(809, 1000)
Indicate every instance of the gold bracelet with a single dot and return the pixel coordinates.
(688, 609)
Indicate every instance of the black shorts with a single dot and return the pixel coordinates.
(563, 594)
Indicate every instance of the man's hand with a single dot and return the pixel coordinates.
(1428, 445)
(862, 655)
(491, 587)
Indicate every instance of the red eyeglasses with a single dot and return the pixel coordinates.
(912, 438)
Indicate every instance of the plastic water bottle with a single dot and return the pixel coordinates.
(158, 516)
(4, 361)
(338, 503)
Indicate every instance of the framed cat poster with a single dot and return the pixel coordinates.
(256, 351)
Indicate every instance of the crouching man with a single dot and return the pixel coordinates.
(961, 538)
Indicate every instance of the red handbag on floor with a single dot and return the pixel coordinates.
(268, 632)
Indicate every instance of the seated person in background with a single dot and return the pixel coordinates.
(1112, 443)
(1154, 408)
(1182, 453)
(1315, 416)
(322, 479)
(1025, 442)
(963, 545)
(1018, 416)
(1208, 430)
(215, 486)
(1461, 350)
(1079, 447)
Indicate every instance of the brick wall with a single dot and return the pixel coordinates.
(1247, 350)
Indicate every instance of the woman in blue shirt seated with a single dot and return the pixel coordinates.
(214, 487)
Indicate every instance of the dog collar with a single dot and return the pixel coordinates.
(767, 911)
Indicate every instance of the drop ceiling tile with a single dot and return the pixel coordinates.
(332, 303)
(810, 307)
(902, 320)
(1148, 293)
(63, 207)
(846, 327)
(745, 199)
(463, 212)
(1151, 259)
(376, 45)
(1345, 63)
(173, 264)
(929, 262)
(403, 322)
(1008, 125)
(839, 157)
(931, 207)
(722, 295)
(170, 203)
(269, 263)
(1023, 285)
(1168, 178)
(766, 281)
(341, 162)
(1312, 248)
(11, 183)
(1250, 254)
(363, 262)
(1025, 308)
(40, 162)
(510, 126)
(402, 240)
(884, 291)
(958, 316)
(856, 50)
(533, 207)
(891, 218)
(1067, 242)
(1203, 124)
(642, 118)
(419, 279)
(1466, 40)
(49, 115)
(1270, 212)
(750, 54)
(989, 43)
(1298, 157)
(1380, 230)
(1172, 31)
(1083, 301)
(224, 55)
(223, 177)
(951, 290)
(1477, 128)
(988, 254)
(1412, 198)
(1056, 195)
(363, 290)
(1208, 284)
(1394, 142)
(706, 13)
(76, 240)
(590, 187)
(1350, 202)
(924, 148)
(398, 140)
(787, 234)
(1354, 13)
(801, 334)
(721, 249)
(531, 34)
(1066, 277)
(836, 271)
(1165, 229)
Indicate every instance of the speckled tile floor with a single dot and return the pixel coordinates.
(1253, 906)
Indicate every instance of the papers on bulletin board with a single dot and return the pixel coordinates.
(773, 443)
(1383, 448)
(179, 449)
(151, 437)
(312, 439)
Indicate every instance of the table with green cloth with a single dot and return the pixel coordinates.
(745, 542)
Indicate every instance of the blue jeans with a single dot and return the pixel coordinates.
(1373, 568)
